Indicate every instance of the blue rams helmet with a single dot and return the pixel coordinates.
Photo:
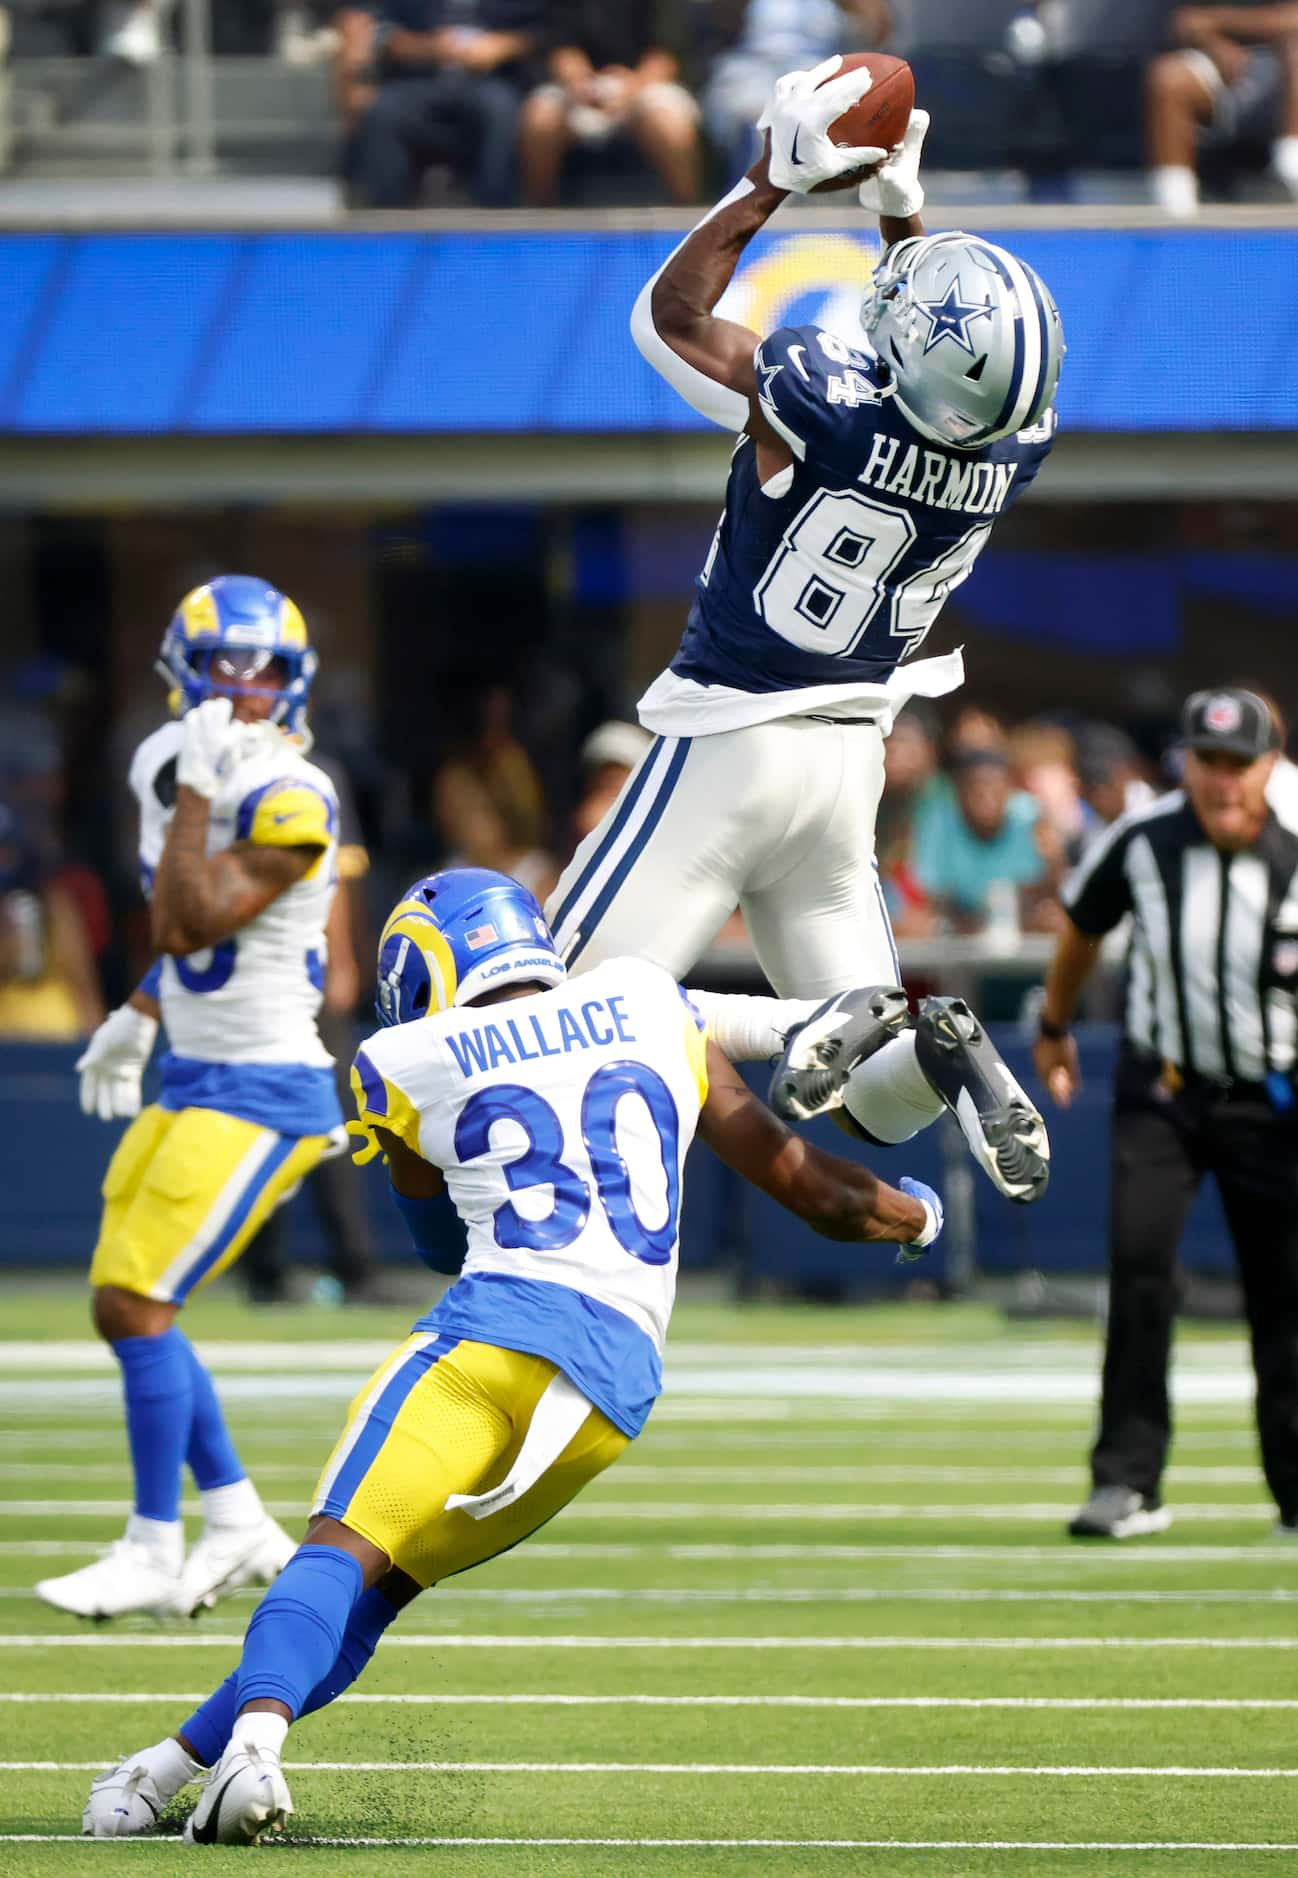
(451, 936)
(970, 334)
(241, 613)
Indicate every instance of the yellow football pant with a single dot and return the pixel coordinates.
(185, 1192)
(443, 1417)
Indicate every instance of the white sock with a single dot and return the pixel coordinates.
(890, 1095)
(171, 1767)
(164, 1538)
(261, 1730)
(239, 1504)
(1284, 160)
(750, 1029)
(1176, 189)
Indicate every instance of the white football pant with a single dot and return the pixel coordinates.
(777, 818)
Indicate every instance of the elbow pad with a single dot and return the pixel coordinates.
(436, 1230)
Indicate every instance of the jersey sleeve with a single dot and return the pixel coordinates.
(288, 813)
(381, 1102)
(810, 384)
(1097, 894)
(696, 1043)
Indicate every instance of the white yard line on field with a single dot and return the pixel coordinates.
(687, 1475)
(814, 1512)
(531, 1596)
(95, 1698)
(458, 1640)
(765, 1769)
(734, 1845)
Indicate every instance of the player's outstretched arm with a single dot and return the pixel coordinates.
(839, 1199)
(709, 361)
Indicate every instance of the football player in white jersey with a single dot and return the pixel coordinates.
(548, 1122)
(237, 847)
(864, 482)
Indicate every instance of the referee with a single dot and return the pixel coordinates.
(1205, 1084)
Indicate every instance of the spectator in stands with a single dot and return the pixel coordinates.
(48, 986)
(1112, 776)
(911, 781)
(611, 76)
(983, 850)
(425, 82)
(1233, 75)
(1043, 760)
(607, 758)
(761, 39)
(491, 813)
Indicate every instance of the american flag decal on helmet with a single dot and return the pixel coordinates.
(481, 936)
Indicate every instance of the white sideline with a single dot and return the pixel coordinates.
(766, 1769)
(1082, 1702)
(458, 1640)
(737, 1845)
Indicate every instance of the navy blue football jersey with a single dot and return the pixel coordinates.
(837, 578)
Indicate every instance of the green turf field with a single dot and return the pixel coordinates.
(821, 1619)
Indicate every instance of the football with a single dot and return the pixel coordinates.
(880, 117)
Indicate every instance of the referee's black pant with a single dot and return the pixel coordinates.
(1164, 1142)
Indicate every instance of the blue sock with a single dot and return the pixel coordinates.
(210, 1726)
(212, 1456)
(159, 1408)
(297, 1630)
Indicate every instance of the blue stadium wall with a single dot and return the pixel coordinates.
(387, 333)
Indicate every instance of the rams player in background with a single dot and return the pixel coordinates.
(553, 1118)
(237, 851)
(865, 480)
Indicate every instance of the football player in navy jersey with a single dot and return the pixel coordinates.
(864, 483)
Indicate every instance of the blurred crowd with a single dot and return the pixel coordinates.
(979, 821)
(499, 102)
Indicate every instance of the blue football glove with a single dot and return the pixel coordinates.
(932, 1205)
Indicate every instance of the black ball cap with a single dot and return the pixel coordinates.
(1232, 720)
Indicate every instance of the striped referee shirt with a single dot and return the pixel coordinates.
(1212, 966)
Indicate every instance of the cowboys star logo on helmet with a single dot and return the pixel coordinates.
(950, 317)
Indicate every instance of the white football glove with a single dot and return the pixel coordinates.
(798, 114)
(209, 739)
(112, 1063)
(895, 189)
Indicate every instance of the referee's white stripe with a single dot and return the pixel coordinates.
(1151, 904)
(1245, 932)
(1200, 925)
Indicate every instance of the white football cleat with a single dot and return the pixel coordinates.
(245, 1795)
(128, 1799)
(130, 1577)
(227, 1557)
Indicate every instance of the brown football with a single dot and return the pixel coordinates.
(880, 117)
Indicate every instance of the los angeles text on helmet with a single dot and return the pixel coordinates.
(944, 482)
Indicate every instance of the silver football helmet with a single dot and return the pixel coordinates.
(971, 336)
